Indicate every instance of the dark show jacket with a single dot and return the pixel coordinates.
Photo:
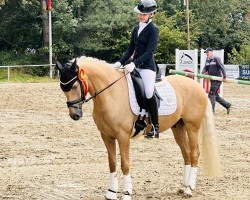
(143, 47)
(214, 67)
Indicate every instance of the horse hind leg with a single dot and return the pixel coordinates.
(193, 138)
(189, 172)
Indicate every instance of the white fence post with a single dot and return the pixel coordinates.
(8, 73)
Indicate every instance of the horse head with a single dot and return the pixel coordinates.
(74, 86)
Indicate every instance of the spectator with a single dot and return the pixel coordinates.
(214, 67)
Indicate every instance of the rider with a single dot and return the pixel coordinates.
(143, 43)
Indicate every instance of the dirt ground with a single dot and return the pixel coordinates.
(44, 155)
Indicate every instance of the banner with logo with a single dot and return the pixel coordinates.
(232, 71)
(187, 60)
(244, 72)
(205, 82)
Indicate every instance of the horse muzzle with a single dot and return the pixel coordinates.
(75, 113)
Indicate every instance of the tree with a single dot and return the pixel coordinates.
(222, 23)
(20, 29)
(241, 57)
(171, 38)
(104, 29)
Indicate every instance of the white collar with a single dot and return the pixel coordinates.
(142, 25)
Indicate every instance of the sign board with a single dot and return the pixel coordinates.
(187, 60)
(162, 68)
(244, 72)
(232, 71)
(206, 83)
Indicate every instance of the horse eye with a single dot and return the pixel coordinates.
(74, 87)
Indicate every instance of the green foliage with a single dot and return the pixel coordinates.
(171, 38)
(27, 58)
(64, 30)
(102, 29)
(223, 23)
(241, 57)
(21, 27)
(18, 76)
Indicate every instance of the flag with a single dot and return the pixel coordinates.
(48, 5)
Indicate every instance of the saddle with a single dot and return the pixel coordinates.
(140, 91)
(141, 99)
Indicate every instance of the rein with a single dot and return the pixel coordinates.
(82, 99)
(95, 95)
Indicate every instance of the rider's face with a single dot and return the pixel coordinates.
(144, 17)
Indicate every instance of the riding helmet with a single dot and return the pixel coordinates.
(146, 7)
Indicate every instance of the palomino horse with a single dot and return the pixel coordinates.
(114, 119)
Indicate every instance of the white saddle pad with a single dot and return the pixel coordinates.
(167, 106)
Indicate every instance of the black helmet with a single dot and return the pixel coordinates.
(146, 7)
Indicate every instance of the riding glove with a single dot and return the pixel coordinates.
(129, 67)
(117, 65)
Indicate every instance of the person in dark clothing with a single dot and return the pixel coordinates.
(214, 67)
(143, 43)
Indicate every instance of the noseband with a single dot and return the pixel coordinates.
(84, 88)
(84, 91)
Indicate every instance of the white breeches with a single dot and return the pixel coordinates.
(148, 78)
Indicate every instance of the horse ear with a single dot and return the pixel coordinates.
(74, 66)
(58, 65)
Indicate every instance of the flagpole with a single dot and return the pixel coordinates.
(187, 18)
(50, 45)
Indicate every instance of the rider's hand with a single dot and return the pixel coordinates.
(129, 67)
(117, 65)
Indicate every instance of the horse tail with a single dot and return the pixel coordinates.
(210, 153)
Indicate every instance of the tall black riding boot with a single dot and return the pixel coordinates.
(153, 111)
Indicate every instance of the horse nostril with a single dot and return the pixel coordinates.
(76, 117)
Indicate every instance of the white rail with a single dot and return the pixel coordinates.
(12, 66)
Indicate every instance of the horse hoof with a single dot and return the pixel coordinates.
(148, 136)
(187, 196)
(187, 192)
(110, 195)
(126, 197)
(109, 198)
(181, 190)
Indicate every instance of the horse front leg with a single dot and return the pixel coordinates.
(110, 144)
(124, 144)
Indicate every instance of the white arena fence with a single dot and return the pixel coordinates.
(162, 67)
(233, 71)
(18, 66)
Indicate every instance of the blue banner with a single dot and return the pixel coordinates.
(244, 72)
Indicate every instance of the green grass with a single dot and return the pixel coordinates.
(17, 76)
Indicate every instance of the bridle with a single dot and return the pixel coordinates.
(81, 100)
(82, 78)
